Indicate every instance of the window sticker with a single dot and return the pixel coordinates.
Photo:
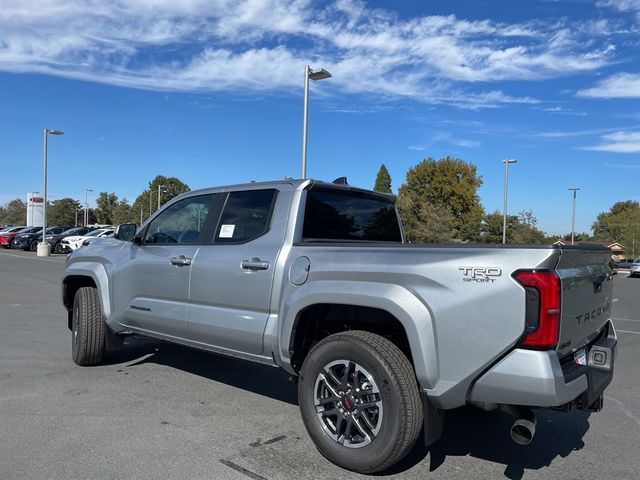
(226, 231)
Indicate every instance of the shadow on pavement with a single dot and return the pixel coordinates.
(468, 431)
(253, 377)
(485, 435)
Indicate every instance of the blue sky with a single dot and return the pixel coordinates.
(210, 91)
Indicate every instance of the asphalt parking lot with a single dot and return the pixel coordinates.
(155, 410)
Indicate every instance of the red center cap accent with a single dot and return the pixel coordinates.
(346, 401)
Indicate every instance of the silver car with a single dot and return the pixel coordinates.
(634, 268)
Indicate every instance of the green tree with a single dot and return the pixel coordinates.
(383, 180)
(147, 201)
(122, 213)
(521, 228)
(439, 200)
(620, 224)
(106, 203)
(14, 212)
(63, 212)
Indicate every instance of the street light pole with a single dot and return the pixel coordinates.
(44, 250)
(573, 216)
(86, 205)
(159, 187)
(506, 185)
(309, 74)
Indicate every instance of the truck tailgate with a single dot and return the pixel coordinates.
(587, 286)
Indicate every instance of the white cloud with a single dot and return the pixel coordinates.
(621, 85)
(618, 142)
(621, 5)
(261, 45)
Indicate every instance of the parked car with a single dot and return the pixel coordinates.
(6, 238)
(625, 263)
(54, 240)
(75, 241)
(317, 279)
(29, 241)
(6, 228)
(634, 268)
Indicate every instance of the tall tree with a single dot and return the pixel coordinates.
(122, 213)
(63, 212)
(106, 203)
(383, 180)
(620, 224)
(446, 189)
(14, 212)
(147, 202)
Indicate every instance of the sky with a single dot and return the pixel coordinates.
(211, 92)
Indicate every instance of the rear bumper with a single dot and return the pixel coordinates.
(537, 379)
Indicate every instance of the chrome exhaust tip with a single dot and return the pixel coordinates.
(523, 430)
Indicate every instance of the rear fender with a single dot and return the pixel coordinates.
(414, 316)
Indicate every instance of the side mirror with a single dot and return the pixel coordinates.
(125, 232)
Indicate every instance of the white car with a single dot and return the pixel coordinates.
(634, 268)
(74, 242)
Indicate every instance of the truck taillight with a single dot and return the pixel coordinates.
(542, 308)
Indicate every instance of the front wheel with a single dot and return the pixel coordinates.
(33, 246)
(88, 330)
(359, 401)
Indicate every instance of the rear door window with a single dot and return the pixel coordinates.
(246, 216)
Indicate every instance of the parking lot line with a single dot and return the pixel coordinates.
(625, 319)
(627, 331)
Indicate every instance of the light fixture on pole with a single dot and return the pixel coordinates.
(86, 205)
(506, 162)
(573, 216)
(309, 74)
(44, 250)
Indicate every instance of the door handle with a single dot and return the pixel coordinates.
(254, 264)
(180, 261)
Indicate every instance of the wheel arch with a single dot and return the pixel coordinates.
(86, 276)
(388, 307)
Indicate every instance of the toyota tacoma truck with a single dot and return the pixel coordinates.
(383, 337)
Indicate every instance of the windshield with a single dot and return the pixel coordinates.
(73, 231)
(95, 233)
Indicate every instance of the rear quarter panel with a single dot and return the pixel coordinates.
(457, 325)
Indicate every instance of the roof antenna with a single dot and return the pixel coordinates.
(340, 181)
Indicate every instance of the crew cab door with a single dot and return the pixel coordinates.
(151, 284)
(232, 280)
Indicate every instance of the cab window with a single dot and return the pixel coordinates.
(181, 223)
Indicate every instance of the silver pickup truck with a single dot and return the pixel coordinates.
(383, 337)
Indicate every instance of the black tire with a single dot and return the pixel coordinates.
(88, 330)
(57, 248)
(394, 377)
(33, 246)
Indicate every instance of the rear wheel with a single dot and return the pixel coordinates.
(88, 330)
(33, 246)
(57, 248)
(359, 401)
